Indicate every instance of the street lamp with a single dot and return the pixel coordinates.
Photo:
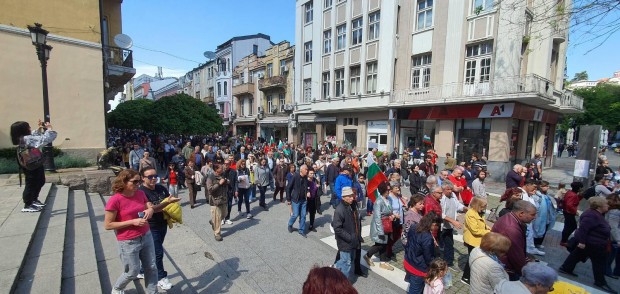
(39, 39)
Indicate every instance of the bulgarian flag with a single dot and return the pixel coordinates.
(375, 177)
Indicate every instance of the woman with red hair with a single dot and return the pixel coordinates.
(327, 280)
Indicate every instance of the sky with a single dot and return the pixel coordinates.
(188, 28)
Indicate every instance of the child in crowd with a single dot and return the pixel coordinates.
(361, 192)
(172, 177)
(559, 197)
(434, 278)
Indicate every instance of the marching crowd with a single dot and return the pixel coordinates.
(235, 170)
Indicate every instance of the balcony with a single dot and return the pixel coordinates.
(119, 63)
(568, 102)
(271, 83)
(531, 89)
(244, 89)
(208, 99)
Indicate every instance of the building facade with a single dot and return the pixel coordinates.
(86, 69)
(462, 77)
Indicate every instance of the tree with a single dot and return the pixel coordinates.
(183, 114)
(580, 76)
(177, 114)
(601, 107)
(131, 114)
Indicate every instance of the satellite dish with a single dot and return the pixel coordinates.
(209, 54)
(123, 41)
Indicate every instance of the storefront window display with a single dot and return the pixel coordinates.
(413, 132)
(473, 136)
(350, 138)
(531, 130)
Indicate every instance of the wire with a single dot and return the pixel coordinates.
(166, 53)
(156, 65)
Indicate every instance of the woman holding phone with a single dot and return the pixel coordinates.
(127, 213)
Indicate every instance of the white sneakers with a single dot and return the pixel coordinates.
(116, 291)
(164, 284)
(228, 222)
(535, 251)
(249, 216)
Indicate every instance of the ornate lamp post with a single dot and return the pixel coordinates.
(39, 38)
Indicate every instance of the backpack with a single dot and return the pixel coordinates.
(29, 158)
(590, 192)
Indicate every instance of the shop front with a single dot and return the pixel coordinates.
(503, 133)
(275, 128)
(377, 135)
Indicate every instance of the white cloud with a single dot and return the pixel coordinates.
(151, 70)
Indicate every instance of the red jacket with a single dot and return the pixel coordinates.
(430, 204)
(571, 202)
(509, 226)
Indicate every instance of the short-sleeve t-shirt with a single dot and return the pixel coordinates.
(127, 208)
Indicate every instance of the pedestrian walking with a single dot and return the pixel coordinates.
(296, 194)
(217, 185)
(347, 227)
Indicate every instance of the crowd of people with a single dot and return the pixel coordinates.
(235, 170)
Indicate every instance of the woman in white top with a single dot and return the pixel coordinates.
(485, 267)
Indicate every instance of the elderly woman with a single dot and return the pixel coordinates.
(475, 229)
(486, 269)
(537, 278)
(381, 209)
(127, 213)
(591, 237)
(399, 205)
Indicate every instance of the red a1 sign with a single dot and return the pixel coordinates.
(497, 110)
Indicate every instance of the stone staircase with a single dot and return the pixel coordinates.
(63, 249)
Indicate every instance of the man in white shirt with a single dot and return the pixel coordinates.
(528, 193)
(450, 206)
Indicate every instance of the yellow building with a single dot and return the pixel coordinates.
(86, 69)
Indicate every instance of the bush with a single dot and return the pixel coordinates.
(10, 153)
(9, 166)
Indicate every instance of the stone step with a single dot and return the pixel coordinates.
(79, 269)
(41, 270)
(17, 229)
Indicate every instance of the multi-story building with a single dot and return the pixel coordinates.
(465, 76)
(245, 90)
(200, 82)
(276, 91)
(85, 70)
(227, 55)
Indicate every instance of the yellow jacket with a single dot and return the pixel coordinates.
(173, 213)
(475, 228)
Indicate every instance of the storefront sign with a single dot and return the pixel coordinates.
(377, 126)
(497, 110)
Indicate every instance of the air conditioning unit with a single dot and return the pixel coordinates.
(261, 110)
(289, 107)
(293, 117)
(260, 116)
(292, 124)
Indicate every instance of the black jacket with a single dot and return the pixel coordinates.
(333, 170)
(347, 226)
(297, 188)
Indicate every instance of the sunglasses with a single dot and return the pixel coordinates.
(151, 177)
(136, 182)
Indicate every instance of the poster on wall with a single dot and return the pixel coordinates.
(310, 140)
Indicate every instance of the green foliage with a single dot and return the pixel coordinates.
(133, 114)
(478, 10)
(9, 166)
(601, 107)
(580, 76)
(10, 153)
(177, 114)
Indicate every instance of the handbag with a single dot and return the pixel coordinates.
(387, 224)
(494, 215)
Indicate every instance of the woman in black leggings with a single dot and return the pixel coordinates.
(381, 209)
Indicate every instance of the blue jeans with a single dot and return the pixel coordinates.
(132, 253)
(159, 234)
(369, 205)
(252, 192)
(416, 284)
(613, 255)
(346, 259)
(135, 166)
(242, 197)
(299, 209)
(446, 241)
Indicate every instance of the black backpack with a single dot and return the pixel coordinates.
(590, 192)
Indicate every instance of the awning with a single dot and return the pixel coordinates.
(314, 118)
(274, 120)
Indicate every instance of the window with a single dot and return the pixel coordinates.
(269, 70)
(373, 25)
(371, 77)
(221, 107)
(242, 107)
(219, 89)
(307, 90)
(308, 10)
(270, 103)
(425, 14)
(328, 3)
(282, 67)
(308, 52)
(326, 85)
(197, 94)
(281, 100)
(479, 6)
(356, 31)
(478, 62)
(354, 84)
(421, 71)
(341, 33)
(251, 105)
(327, 41)
(225, 88)
(339, 82)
